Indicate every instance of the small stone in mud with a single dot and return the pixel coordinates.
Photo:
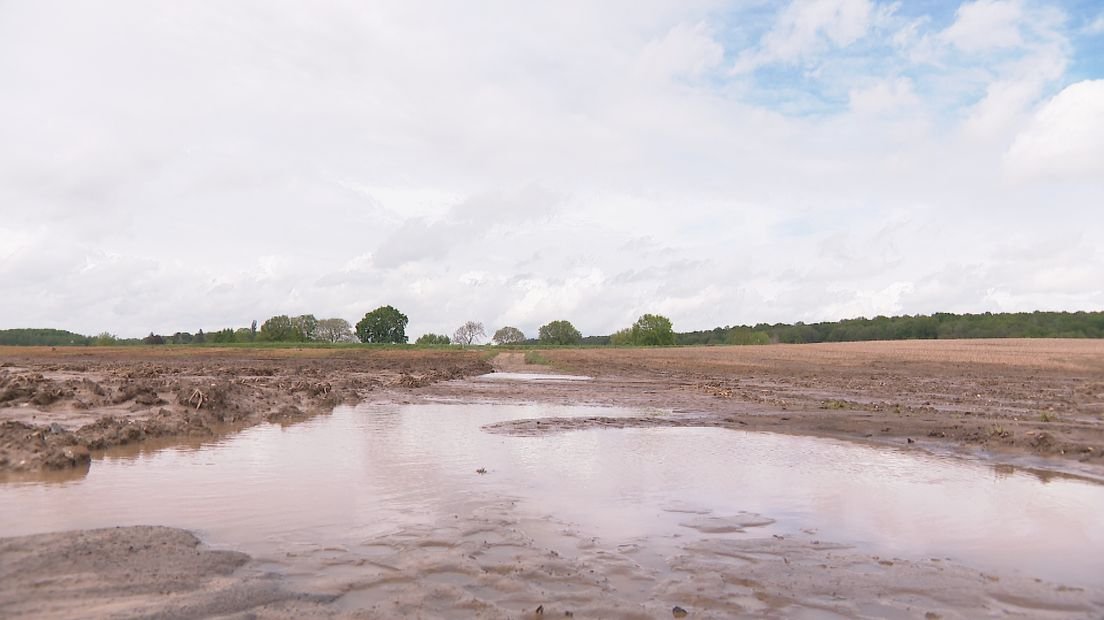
(678, 612)
(77, 454)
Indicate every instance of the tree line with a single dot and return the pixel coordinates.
(384, 325)
(941, 325)
(387, 324)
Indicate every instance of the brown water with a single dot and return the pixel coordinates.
(372, 479)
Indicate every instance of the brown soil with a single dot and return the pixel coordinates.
(1037, 401)
(1013, 399)
(56, 406)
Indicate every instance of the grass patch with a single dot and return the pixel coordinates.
(535, 357)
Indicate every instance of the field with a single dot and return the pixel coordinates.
(1011, 399)
(1014, 405)
(58, 405)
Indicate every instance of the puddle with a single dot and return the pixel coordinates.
(530, 376)
(369, 480)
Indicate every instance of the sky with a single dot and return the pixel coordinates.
(175, 166)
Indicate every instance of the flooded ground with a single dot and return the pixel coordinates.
(530, 377)
(415, 507)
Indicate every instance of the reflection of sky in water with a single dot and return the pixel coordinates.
(368, 470)
(530, 376)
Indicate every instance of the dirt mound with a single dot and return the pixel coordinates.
(23, 447)
(54, 409)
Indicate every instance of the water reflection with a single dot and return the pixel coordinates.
(369, 470)
(530, 376)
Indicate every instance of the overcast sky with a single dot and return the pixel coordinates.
(170, 166)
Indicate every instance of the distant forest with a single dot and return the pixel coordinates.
(42, 337)
(920, 327)
(941, 325)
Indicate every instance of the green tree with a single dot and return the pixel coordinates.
(106, 339)
(224, 336)
(653, 330)
(305, 326)
(508, 335)
(278, 329)
(181, 338)
(433, 339)
(622, 337)
(559, 332)
(745, 335)
(384, 324)
(48, 337)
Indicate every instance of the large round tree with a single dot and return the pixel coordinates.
(384, 324)
(653, 330)
(508, 335)
(559, 332)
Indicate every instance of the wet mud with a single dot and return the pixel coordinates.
(1027, 402)
(483, 556)
(57, 407)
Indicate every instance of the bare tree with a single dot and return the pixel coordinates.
(334, 330)
(468, 333)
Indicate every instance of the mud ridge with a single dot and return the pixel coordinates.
(58, 407)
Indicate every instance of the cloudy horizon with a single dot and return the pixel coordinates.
(179, 166)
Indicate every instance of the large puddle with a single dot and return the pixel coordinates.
(531, 377)
(350, 479)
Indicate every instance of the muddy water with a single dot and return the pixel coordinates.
(371, 480)
(531, 377)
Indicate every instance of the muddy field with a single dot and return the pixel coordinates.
(1021, 400)
(57, 406)
(1038, 403)
(1013, 397)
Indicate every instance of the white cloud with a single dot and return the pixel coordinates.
(986, 25)
(171, 167)
(1065, 138)
(870, 303)
(807, 27)
(684, 50)
(887, 96)
(1010, 98)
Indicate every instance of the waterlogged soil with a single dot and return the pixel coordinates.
(1035, 402)
(482, 551)
(413, 510)
(57, 406)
